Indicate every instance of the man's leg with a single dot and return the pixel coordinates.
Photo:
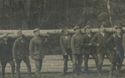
(38, 65)
(65, 63)
(100, 57)
(74, 60)
(28, 65)
(94, 55)
(113, 67)
(79, 63)
(3, 63)
(12, 67)
(119, 64)
(18, 61)
(86, 57)
(70, 55)
(27, 62)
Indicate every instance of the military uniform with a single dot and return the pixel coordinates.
(119, 50)
(116, 52)
(65, 43)
(21, 53)
(76, 46)
(6, 55)
(88, 49)
(100, 40)
(37, 52)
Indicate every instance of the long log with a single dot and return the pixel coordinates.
(13, 33)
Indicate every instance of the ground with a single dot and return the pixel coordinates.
(53, 67)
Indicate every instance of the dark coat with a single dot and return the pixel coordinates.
(77, 43)
(119, 46)
(20, 48)
(65, 43)
(116, 46)
(123, 41)
(100, 41)
(36, 47)
(88, 45)
(6, 49)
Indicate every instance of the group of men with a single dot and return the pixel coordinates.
(74, 46)
(81, 45)
(14, 51)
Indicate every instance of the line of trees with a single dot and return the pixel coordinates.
(58, 13)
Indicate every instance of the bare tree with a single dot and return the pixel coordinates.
(109, 12)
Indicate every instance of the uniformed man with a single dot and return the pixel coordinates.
(21, 52)
(89, 47)
(111, 52)
(6, 54)
(76, 47)
(36, 50)
(116, 48)
(65, 42)
(100, 39)
(119, 47)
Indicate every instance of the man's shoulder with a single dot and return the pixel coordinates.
(35, 38)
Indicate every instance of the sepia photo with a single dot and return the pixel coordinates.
(62, 38)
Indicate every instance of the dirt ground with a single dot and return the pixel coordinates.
(70, 75)
(53, 68)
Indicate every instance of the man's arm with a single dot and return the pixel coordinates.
(94, 40)
(123, 41)
(72, 44)
(62, 46)
(14, 49)
(31, 47)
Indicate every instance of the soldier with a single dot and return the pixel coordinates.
(112, 52)
(6, 54)
(100, 39)
(76, 46)
(65, 42)
(21, 52)
(89, 47)
(116, 49)
(36, 50)
(119, 47)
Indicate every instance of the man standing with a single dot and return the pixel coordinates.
(21, 52)
(6, 54)
(76, 46)
(65, 42)
(116, 44)
(119, 47)
(36, 50)
(100, 39)
(89, 47)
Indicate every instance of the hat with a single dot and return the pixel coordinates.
(76, 27)
(36, 29)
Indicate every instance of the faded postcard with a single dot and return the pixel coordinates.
(62, 38)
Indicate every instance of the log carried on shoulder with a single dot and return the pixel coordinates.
(13, 33)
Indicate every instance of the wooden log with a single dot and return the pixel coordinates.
(13, 33)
